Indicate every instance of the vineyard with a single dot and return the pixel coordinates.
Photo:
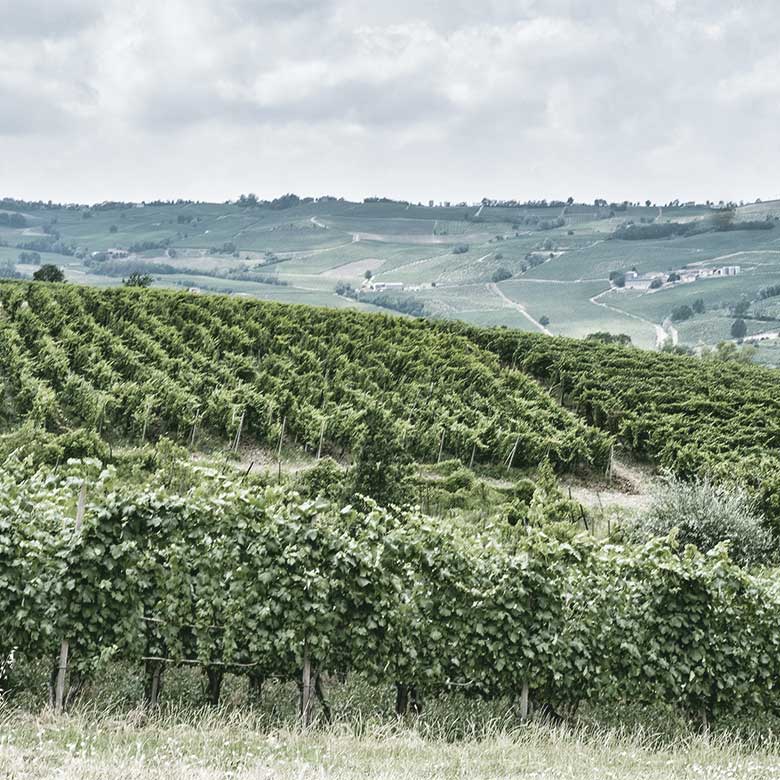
(240, 579)
(182, 563)
(689, 415)
(136, 365)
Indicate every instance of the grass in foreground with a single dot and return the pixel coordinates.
(197, 744)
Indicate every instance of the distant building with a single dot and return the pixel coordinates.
(729, 270)
(383, 286)
(637, 281)
(110, 254)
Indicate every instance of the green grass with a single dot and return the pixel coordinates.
(218, 744)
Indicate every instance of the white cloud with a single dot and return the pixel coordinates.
(455, 99)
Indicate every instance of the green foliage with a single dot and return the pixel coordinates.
(37, 447)
(609, 338)
(681, 313)
(738, 329)
(706, 514)
(728, 350)
(383, 468)
(325, 479)
(138, 280)
(501, 274)
(253, 578)
(523, 490)
(139, 364)
(716, 417)
(49, 273)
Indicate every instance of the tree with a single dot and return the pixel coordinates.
(368, 274)
(609, 338)
(618, 278)
(113, 229)
(49, 273)
(723, 218)
(544, 320)
(698, 306)
(138, 280)
(738, 329)
(680, 313)
(500, 274)
(673, 277)
(729, 351)
(656, 284)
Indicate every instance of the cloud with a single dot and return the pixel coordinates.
(47, 19)
(525, 98)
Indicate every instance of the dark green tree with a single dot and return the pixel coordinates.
(49, 273)
(738, 329)
(138, 280)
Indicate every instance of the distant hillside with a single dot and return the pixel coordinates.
(544, 266)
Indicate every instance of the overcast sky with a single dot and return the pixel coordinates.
(445, 99)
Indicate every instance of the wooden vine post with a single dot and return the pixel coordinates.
(62, 667)
(279, 449)
(322, 436)
(511, 457)
(147, 414)
(524, 701)
(237, 439)
(441, 446)
(306, 689)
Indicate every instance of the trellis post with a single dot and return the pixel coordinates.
(62, 667)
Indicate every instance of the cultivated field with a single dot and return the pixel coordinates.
(550, 262)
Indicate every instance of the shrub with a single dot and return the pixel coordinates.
(681, 313)
(325, 479)
(500, 274)
(706, 514)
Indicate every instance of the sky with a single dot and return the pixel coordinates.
(412, 99)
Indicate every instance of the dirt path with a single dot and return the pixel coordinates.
(631, 488)
(493, 287)
(316, 221)
(660, 334)
(479, 210)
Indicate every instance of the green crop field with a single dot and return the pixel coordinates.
(551, 261)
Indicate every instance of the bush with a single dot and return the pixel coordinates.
(523, 490)
(681, 313)
(460, 479)
(325, 479)
(705, 515)
(500, 274)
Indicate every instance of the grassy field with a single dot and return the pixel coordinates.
(444, 255)
(203, 744)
